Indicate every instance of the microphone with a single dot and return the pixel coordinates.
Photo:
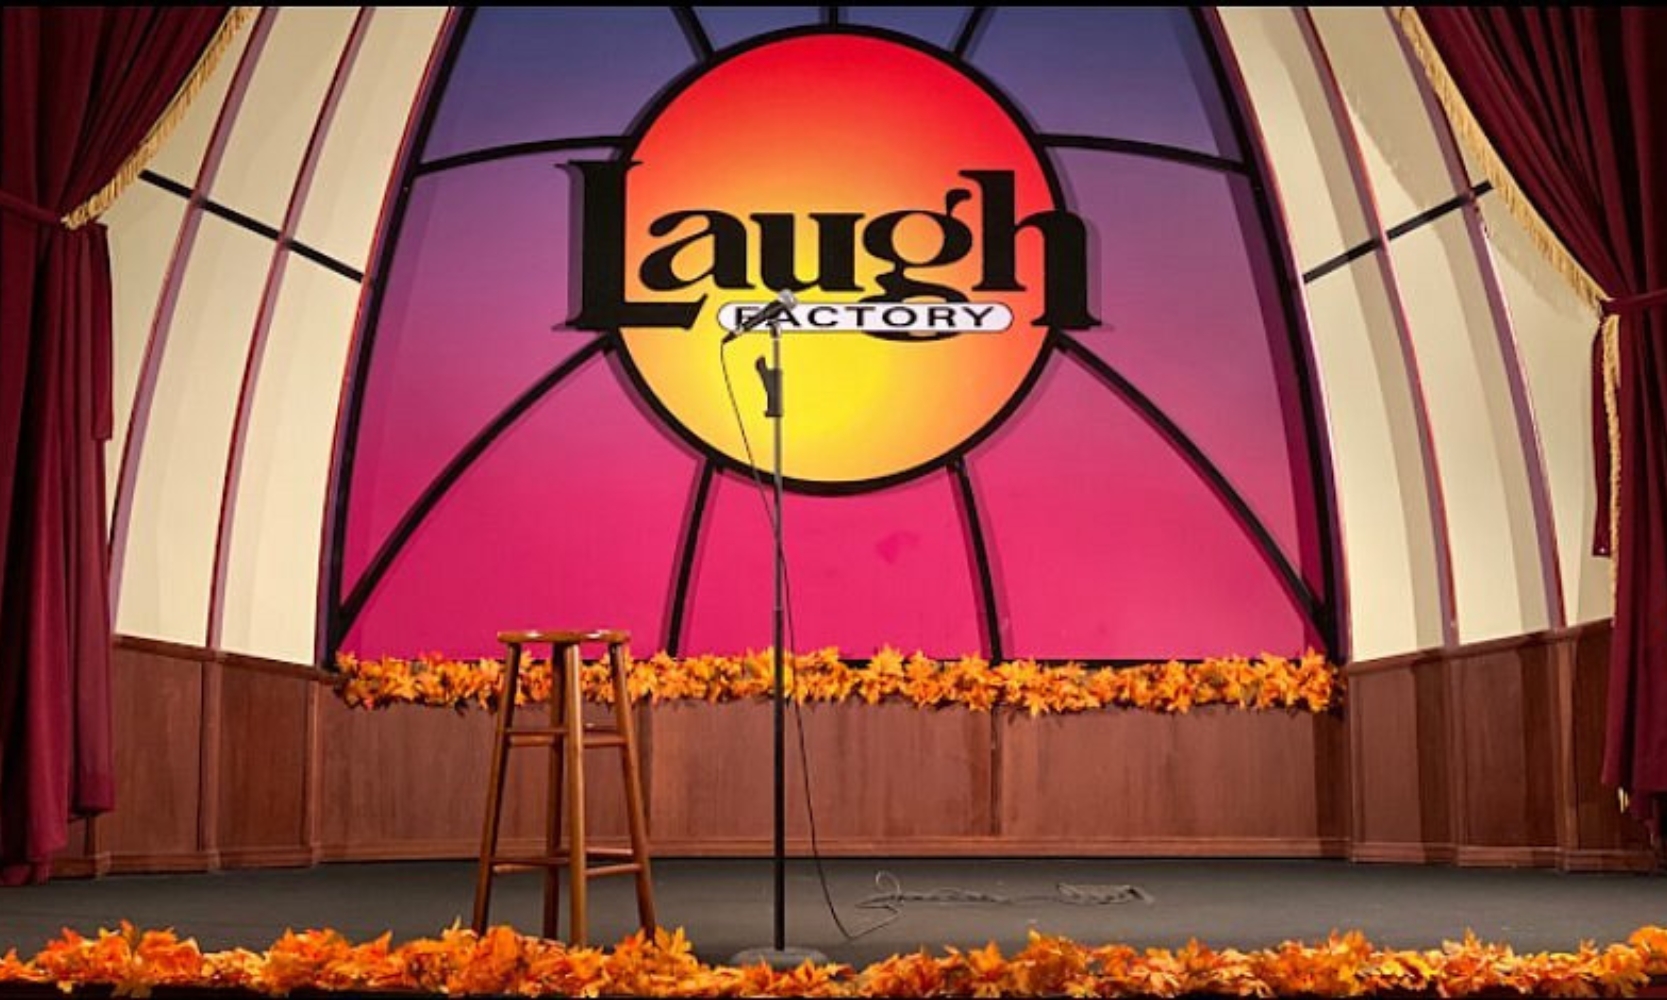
(782, 306)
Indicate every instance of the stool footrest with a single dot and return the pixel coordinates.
(609, 852)
(563, 857)
(593, 740)
(539, 864)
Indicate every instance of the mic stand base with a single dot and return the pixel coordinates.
(779, 959)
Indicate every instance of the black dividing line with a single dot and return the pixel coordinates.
(237, 218)
(325, 260)
(981, 557)
(1450, 205)
(830, 16)
(213, 208)
(460, 463)
(1343, 259)
(686, 558)
(1354, 253)
(1207, 470)
(975, 21)
(245, 222)
(512, 150)
(1158, 151)
(165, 183)
(692, 30)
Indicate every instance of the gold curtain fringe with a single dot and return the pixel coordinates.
(1470, 132)
(175, 112)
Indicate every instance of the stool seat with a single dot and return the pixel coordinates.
(564, 637)
(567, 738)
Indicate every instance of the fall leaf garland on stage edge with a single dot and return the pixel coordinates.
(459, 962)
(1306, 683)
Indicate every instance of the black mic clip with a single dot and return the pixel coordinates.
(771, 377)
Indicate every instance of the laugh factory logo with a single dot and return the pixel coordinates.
(897, 200)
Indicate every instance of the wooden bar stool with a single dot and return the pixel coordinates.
(567, 737)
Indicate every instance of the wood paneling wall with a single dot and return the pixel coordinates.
(1487, 755)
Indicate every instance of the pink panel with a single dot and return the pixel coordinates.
(1107, 546)
(1188, 322)
(480, 279)
(891, 567)
(571, 520)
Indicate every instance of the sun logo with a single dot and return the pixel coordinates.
(899, 200)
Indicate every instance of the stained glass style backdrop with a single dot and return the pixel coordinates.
(1149, 492)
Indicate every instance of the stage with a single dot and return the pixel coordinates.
(886, 906)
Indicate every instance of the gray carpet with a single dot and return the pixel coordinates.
(885, 906)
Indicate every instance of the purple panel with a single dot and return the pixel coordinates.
(724, 26)
(1137, 73)
(1192, 318)
(863, 571)
(1105, 544)
(571, 520)
(939, 26)
(527, 74)
(478, 282)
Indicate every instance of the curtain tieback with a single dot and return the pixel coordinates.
(1629, 305)
(27, 209)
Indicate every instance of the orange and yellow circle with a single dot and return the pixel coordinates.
(832, 123)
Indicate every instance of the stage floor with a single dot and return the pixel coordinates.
(884, 907)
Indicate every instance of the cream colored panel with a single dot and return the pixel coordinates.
(143, 227)
(1383, 503)
(1386, 100)
(168, 558)
(1323, 211)
(1554, 332)
(181, 157)
(344, 204)
(1497, 578)
(276, 119)
(1472, 165)
(271, 589)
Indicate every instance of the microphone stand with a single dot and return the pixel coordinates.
(779, 957)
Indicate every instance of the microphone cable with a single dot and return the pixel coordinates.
(890, 898)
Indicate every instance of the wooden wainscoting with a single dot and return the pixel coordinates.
(886, 778)
(1489, 755)
(1486, 755)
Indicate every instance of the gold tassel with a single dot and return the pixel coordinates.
(1611, 334)
(175, 112)
(1469, 131)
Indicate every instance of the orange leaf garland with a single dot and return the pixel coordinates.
(1308, 683)
(502, 962)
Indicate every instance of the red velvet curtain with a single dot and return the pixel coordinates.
(1574, 99)
(80, 87)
